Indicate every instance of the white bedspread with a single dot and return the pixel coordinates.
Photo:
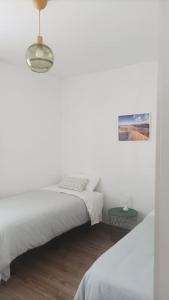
(93, 201)
(32, 219)
(125, 272)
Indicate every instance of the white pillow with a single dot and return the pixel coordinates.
(92, 181)
(73, 183)
(151, 214)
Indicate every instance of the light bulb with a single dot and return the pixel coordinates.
(39, 52)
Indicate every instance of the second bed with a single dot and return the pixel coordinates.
(125, 272)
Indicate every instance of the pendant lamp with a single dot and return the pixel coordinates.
(39, 56)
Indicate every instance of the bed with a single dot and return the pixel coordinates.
(32, 219)
(125, 272)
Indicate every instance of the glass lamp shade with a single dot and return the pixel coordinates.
(39, 58)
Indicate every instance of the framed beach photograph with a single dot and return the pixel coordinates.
(134, 127)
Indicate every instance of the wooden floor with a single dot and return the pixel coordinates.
(55, 270)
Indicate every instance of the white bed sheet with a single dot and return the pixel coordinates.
(125, 272)
(32, 219)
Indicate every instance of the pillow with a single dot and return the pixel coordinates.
(73, 183)
(92, 181)
(151, 214)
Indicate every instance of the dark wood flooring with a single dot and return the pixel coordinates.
(54, 271)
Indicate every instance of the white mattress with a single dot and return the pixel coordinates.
(32, 219)
(125, 272)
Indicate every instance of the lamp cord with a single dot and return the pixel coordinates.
(39, 23)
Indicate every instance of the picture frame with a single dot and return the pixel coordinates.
(135, 127)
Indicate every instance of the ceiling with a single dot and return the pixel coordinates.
(85, 35)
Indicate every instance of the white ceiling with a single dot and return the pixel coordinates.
(85, 35)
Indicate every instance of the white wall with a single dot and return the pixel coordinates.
(38, 143)
(90, 107)
(29, 130)
(162, 192)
